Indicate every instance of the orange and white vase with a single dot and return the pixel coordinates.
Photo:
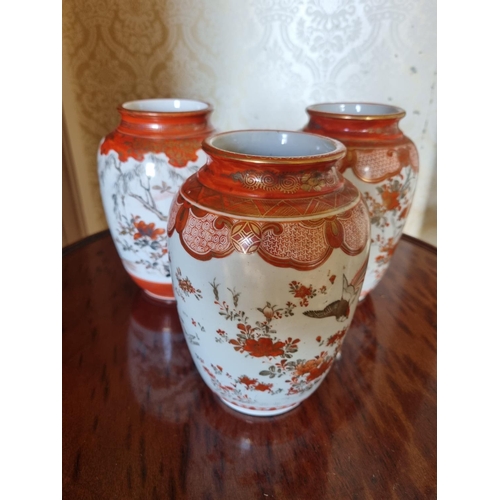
(141, 166)
(268, 248)
(382, 162)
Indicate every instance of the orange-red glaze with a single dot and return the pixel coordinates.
(178, 135)
(160, 289)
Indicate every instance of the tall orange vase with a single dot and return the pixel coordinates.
(381, 162)
(141, 166)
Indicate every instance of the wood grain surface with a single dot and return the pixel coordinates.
(139, 422)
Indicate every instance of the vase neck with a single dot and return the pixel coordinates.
(270, 179)
(165, 124)
(348, 121)
(271, 164)
(343, 129)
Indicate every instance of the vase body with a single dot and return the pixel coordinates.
(269, 246)
(382, 162)
(141, 165)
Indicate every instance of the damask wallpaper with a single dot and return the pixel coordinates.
(259, 62)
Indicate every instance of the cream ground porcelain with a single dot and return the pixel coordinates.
(383, 164)
(268, 249)
(141, 166)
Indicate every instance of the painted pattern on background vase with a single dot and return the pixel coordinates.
(382, 162)
(269, 247)
(141, 166)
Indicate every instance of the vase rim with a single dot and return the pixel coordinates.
(357, 110)
(165, 107)
(274, 146)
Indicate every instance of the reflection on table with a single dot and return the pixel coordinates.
(139, 421)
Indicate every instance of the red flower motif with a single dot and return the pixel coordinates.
(263, 347)
(332, 278)
(388, 249)
(390, 199)
(245, 329)
(337, 337)
(314, 368)
(263, 387)
(247, 381)
(185, 286)
(146, 230)
(303, 291)
(210, 374)
(317, 372)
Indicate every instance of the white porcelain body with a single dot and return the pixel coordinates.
(240, 293)
(136, 196)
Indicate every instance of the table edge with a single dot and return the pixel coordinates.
(420, 243)
(84, 241)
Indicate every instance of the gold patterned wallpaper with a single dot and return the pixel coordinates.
(259, 62)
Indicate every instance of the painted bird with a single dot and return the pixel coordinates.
(341, 308)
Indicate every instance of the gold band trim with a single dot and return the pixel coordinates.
(340, 151)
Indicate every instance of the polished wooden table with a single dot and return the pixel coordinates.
(139, 422)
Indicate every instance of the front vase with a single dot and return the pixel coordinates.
(141, 166)
(268, 246)
(383, 164)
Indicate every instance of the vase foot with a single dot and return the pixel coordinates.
(257, 412)
(159, 291)
(160, 297)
